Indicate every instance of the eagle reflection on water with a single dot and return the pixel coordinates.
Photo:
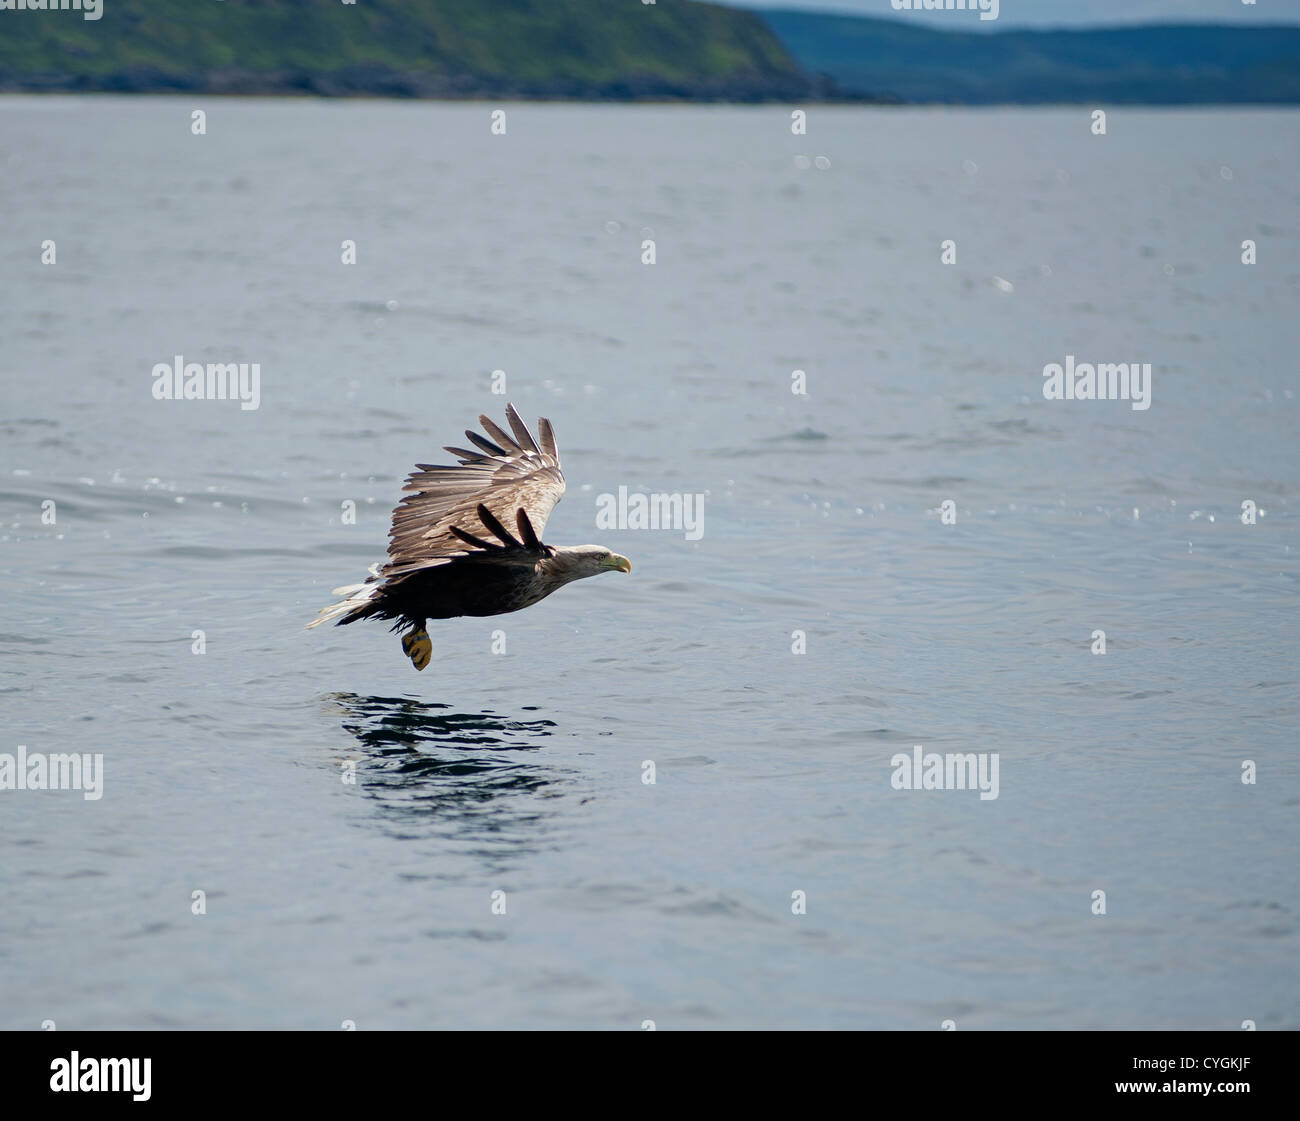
(462, 776)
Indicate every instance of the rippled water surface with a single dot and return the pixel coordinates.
(521, 772)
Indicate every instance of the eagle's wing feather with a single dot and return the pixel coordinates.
(443, 516)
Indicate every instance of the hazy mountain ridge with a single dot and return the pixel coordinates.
(1167, 64)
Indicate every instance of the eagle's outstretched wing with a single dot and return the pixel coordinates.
(515, 481)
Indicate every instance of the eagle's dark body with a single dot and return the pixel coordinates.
(464, 587)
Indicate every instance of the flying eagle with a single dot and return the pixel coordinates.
(449, 551)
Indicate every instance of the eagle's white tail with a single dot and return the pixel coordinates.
(356, 595)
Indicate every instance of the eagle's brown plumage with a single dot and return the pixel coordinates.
(467, 539)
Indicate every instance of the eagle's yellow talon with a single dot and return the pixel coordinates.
(418, 647)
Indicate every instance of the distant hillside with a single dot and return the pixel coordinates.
(404, 48)
(1165, 65)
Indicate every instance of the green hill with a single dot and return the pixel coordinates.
(410, 48)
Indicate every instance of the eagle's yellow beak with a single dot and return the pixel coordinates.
(617, 563)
